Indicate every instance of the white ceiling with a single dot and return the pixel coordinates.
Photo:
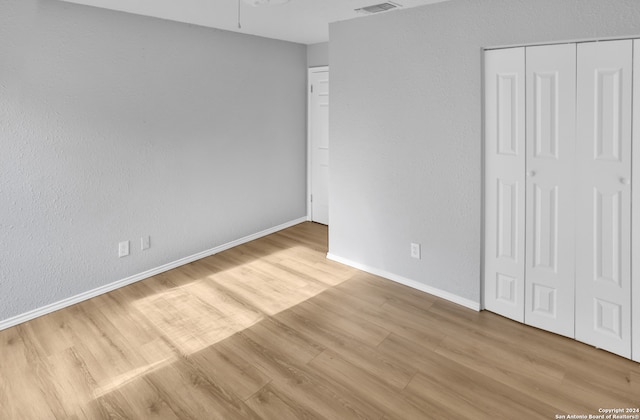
(302, 21)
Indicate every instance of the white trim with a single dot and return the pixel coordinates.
(635, 206)
(318, 69)
(408, 282)
(483, 192)
(575, 41)
(44, 310)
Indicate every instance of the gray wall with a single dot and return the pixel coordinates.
(114, 126)
(406, 126)
(318, 54)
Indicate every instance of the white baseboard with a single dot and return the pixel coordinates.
(408, 282)
(19, 319)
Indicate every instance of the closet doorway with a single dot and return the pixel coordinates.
(318, 145)
(558, 190)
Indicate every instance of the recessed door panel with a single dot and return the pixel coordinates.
(507, 116)
(608, 114)
(607, 229)
(546, 108)
(507, 220)
(603, 217)
(608, 318)
(550, 145)
(506, 289)
(504, 182)
(545, 300)
(545, 227)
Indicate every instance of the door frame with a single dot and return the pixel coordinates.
(635, 207)
(310, 71)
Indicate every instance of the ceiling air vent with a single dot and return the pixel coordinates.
(377, 8)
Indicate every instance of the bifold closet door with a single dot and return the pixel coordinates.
(550, 202)
(504, 182)
(635, 206)
(603, 195)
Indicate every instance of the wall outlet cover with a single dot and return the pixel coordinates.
(415, 251)
(123, 249)
(145, 242)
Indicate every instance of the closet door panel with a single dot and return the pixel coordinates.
(635, 206)
(603, 217)
(550, 199)
(504, 182)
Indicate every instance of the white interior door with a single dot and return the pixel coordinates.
(319, 144)
(550, 232)
(603, 217)
(635, 206)
(504, 182)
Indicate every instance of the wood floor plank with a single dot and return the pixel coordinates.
(347, 305)
(367, 283)
(12, 348)
(273, 330)
(357, 327)
(490, 398)
(317, 273)
(387, 399)
(49, 335)
(188, 322)
(192, 395)
(299, 383)
(230, 371)
(542, 353)
(328, 399)
(269, 403)
(635, 382)
(136, 400)
(424, 391)
(391, 370)
(486, 365)
(237, 314)
(126, 331)
(29, 389)
(75, 392)
(281, 339)
(26, 395)
(352, 289)
(613, 390)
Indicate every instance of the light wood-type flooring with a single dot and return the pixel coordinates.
(273, 330)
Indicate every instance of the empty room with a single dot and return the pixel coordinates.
(319, 209)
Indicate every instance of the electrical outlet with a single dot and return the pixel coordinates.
(415, 251)
(145, 242)
(123, 249)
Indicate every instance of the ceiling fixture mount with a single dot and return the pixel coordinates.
(256, 3)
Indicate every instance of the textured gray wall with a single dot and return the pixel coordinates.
(318, 54)
(406, 126)
(114, 126)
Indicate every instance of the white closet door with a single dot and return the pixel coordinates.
(504, 182)
(603, 217)
(318, 120)
(635, 269)
(550, 232)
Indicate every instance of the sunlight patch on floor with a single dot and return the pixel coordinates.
(221, 302)
(206, 311)
(130, 376)
(189, 323)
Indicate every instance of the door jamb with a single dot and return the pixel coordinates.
(310, 71)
